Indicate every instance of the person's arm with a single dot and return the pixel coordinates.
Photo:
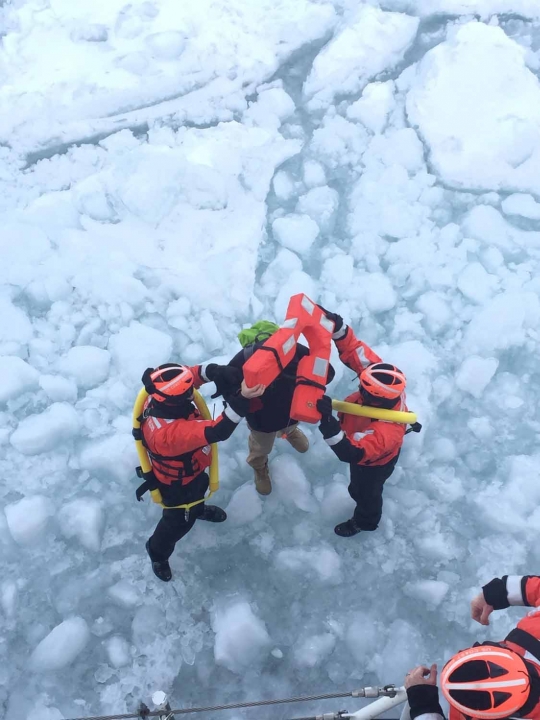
(423, 694)
(353, 353)
(226, 377)
(334, 436)
(183, 436)
(379, 440)
(501, 593)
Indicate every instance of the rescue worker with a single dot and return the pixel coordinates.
(491, 680)
(269, 414)
(178, 444)
(371, 447)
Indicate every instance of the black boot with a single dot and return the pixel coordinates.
(213, 513)
(347, 529)
(162, 570)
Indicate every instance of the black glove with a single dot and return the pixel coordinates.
(150, 483)
(329, 425)
(324, 406)
(334, 317)
(238, 403)
(227, 378)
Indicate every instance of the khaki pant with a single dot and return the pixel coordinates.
(261, 444)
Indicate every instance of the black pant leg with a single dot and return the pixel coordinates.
(174, 524)
(366, 489)
(170, 529)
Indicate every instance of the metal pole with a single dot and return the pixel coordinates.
(378, 707)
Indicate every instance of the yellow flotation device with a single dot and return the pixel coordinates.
(407, 418)
(146, 465)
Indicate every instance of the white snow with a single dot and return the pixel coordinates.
(476, 284)
(475, 374)
(296, 232)
(61, 646)
(314, 174)
(486, 223)
(297, 282)
(379, 295)
(123, 594)
(503, 322)
(245, 505)
(44, 431)
(480, 135)
(8, 598)
(28, 518)
(431, 592)
(241, 637)
(521, 204)
(139, 346)
(16, 377)
(373, 107)
(15, 327)
(372, 42)
(484, 8)
(320, 204)
(210, 333)
(291, 484)
(89, 366)
(58, 388)
(83, 519)
(313, 650)
(322, 564)
(118, 651)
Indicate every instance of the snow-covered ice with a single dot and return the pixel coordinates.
(61, 646)
(480, 135)
(17, 377)
(83, 519)
(27, 519)
(241, 638)
(369, 43)
(172, 172)
(88, 365)
(39, 433)
(296, 232)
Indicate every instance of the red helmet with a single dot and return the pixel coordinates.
(383, 381)
(168, 382)
(486, 682)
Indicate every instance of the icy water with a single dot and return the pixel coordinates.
(173, 171)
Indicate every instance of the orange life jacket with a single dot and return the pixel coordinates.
(184, 466)
(381, 440)
(267, 362)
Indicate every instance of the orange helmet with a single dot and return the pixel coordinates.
(486, 682)
(168, 382)
(382, 380)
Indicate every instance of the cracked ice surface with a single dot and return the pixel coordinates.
(172, 171)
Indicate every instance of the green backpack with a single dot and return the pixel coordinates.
(258, 332)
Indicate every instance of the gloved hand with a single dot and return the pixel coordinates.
(335, 318)
(238, 403)
(329, 425)
(324, 406)
(150, 483)
(226, 378)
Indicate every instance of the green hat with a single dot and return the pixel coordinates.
(261, 330)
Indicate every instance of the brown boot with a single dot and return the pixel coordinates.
(263, 484)
(298, 440)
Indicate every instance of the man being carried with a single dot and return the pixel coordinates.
(269, 415)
